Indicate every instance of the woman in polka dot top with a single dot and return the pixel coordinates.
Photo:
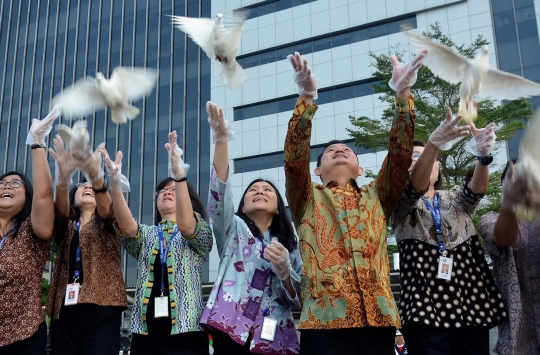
(448, 300)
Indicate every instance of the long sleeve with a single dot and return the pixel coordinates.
(394, 171)
(201, 240)
(221, 210)
(297, 157)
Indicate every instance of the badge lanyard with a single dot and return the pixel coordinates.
(437, 221)
(77, 271)
(5, 237)
(269, 325)
(163, 254)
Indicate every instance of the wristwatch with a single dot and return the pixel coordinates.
(103, 189)
(485, 160)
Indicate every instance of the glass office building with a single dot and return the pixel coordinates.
(46, 45)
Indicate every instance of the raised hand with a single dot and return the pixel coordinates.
(404, 75)
(221, 128)
(278, 256)
(449, 132)
(303, 76)
(40, 129)
(65, 163)
(177, 168)
(117, 181)
(483, 140)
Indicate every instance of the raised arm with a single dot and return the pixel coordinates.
(297, 150)
(484, 140)
(394, 171)
(65, 167)
(118, 185)
(42, 215)
(90, 165)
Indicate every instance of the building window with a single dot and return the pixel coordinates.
(275, 160)
(327, 41)
(271, 6)
(327, 95)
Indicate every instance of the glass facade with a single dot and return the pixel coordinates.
(47, 45)
(518, 47)
(268, 7)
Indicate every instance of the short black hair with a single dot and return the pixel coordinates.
(281, 226)
(196, 202)
(418, 143)
(334, 141)
(19, 218)
(514, 161)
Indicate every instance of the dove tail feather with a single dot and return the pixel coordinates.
(131, 111)
(232, 74)
(118, 116)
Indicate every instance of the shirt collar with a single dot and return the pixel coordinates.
(351, 185)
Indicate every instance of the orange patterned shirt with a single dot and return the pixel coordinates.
(345, 281)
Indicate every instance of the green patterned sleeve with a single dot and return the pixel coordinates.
(134, 244)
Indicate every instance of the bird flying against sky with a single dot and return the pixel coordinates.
(475, 74)
(126, 85)
(217, 42)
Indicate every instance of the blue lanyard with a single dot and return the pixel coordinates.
(163, 252)
(77, 271)
(5, 237)
(437, 220)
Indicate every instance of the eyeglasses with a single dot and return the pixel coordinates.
(172, 190)
(83, 184)
(13, 184)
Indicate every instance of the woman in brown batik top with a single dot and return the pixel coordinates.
(88, 261)
(26, 226)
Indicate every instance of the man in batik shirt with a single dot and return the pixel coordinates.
(348, 307)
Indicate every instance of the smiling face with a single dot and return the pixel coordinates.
(12, 198)
(166, 199)
(85, 196)
(338, 159)
(260, 197)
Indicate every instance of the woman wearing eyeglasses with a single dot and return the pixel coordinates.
(448, 300)
(26, 227)
(170, 254)
(88, 293)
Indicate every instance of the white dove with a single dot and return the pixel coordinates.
(125, 86)
(76, 137)
(475, 74)
(217, 42)
(529, 153)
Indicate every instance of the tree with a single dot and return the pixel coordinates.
(432, 96)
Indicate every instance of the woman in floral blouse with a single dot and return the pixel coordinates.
(249, 308)
(170, 255)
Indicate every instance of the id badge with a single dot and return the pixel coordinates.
(269, 328)
(161, 307)
(445, 268)
(72, 294)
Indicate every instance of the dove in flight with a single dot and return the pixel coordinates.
(126, 85)
(529, 153)
(475, 74)
(76, 137)
(217, 42)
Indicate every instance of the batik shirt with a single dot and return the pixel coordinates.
(517, 273)
(245, 287)
(345, 280)
(185, 261)
(470, 298)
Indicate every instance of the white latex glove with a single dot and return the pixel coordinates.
(449, 132)
(177, 168)
(304, 78)
(483, 140)
(65, 164)
(278, 256)
(221, 128)
(117, 181)
(40, 129)
(404, 75)
(90, 163)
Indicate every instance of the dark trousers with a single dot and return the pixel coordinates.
(427, 340)
(86, 329)
(350, 341)
(224, 345)
(35, 345)
(190, 343)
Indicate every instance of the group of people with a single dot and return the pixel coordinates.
(336, 271)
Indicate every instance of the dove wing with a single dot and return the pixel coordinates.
(441, 60)
(136, 83)
(80, 99)
(529, 148)
(199, 30)
(506, 86)
(64, 132)
(227, 39)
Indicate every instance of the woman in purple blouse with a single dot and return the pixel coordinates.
(249, 308)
